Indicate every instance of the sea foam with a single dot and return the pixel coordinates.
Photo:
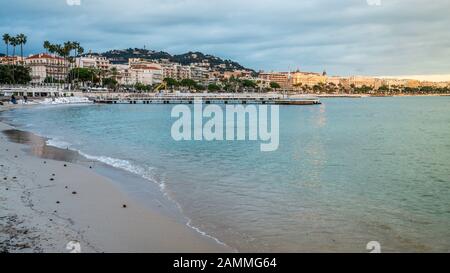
(66, 100)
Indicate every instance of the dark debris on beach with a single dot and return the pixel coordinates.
(16, 238)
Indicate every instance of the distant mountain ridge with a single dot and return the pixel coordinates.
(122, 56)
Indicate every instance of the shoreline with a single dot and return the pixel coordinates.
(69, 226)
(47, 203)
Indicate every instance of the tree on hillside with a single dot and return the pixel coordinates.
(200, 87)
(213, 87)
(191, 84)
(109, 83)
(383, 89)
(171, 82)
(274, 85)
(142, 87)
(249, 84)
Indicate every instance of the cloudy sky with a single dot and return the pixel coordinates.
(397, 37)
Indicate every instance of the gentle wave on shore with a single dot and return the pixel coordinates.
(78, 206)
(41, 146)
(146, 174)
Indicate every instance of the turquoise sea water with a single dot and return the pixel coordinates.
(347, 172)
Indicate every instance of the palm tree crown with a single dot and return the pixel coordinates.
(14, 42)
(7, 40)
(21, 40)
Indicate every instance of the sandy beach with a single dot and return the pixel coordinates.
(46, 204)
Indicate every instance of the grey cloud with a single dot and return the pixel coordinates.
(344, 37)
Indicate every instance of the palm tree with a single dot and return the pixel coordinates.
(7, 40)
(101, 75)
(114, 73)
(52, 49)
(14, 42)
(68, 48)
(67, 54)
(80, 51)
(21, 40)
(47, 46)
(67, 51)
(61, 50)
(76, 49)
(55, 49)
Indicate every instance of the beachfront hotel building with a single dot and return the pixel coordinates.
(45, 66)
(169, 70)
(300, 79)
(139, 71)
(175, 71)
(334, 80)
(293, 79)
(93, 61)
(242, 74)
(307, 78)
(282, 78)
(146, 74)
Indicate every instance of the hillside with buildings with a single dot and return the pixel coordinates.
(146, 70)
(190, 58)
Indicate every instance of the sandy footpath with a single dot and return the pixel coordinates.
(45, 204)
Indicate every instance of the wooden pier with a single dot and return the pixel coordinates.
(209, 100)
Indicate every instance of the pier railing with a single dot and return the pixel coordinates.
(205, 98)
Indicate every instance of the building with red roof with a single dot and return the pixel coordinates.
(46, 66)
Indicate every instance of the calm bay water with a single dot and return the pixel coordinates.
(347, 172)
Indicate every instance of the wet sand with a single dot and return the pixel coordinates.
(47, 201)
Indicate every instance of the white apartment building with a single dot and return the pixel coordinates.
(123, 73)
(93, 61)
(176, 71)
(146, 74)
(199, 74)
(139, 71)
(183, 72)
(169, 70)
